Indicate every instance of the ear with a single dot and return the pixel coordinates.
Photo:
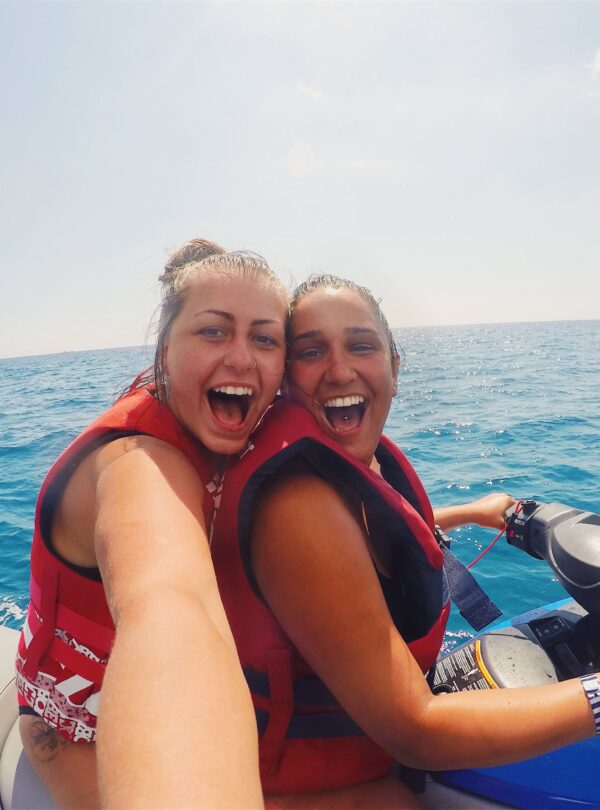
(165, 363)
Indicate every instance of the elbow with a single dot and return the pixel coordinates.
(154, 611)
(152, 595)
(419, 757)
(172, 612)
(418, 743)
(431, 741)
(416, 752)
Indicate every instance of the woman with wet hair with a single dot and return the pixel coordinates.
(125, 623)
(333, 584)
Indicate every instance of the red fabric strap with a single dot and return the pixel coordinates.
(85, 630)
(77, 662)
(281, 707)
(43, 635)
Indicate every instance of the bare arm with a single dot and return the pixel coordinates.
(335, 613)
(487, 512)
(174, 701)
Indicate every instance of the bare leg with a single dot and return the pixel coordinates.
(67, 769)
(384, 794)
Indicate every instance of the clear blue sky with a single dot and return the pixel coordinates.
(445, 154)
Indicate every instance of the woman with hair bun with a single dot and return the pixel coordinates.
(123, 591)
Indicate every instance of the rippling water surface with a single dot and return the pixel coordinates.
(512, 407)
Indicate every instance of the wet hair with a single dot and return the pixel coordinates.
(184, 266)
(327, 281)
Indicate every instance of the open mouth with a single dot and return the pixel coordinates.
(345, 413)
(230, 403)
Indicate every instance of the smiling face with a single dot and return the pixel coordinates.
(340, 367)
(224, 357)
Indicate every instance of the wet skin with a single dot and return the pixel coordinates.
(339, 351)
(229, 336)
(340, 368)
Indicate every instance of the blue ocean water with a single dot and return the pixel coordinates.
(510, 407)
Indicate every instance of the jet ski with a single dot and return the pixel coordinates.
(545, 645)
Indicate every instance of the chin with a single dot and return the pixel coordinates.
(222, 446)
(217, 443)
(357, 452)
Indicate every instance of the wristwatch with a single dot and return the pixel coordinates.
(591, 687)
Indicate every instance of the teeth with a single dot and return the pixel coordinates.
(344, 402)
(236, 390)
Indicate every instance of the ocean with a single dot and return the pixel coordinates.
(501, 407)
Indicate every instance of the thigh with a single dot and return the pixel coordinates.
(67, 769)
(388, 793)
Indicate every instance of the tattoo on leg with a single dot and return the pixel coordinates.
(46, 743)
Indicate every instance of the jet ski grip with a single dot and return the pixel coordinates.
(568, 539)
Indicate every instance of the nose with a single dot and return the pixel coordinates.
(340, 371)
(239, 356)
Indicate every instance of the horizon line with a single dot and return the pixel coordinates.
(393, 328)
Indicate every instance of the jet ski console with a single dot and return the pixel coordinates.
(545, 645)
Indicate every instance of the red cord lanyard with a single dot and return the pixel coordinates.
(518, 508)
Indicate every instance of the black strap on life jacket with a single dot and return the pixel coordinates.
(474, 604)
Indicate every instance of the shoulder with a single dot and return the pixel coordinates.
(148, 470)
(313, 517)
(139, 449)
(309, 544)
(298, 488)
(131, 462)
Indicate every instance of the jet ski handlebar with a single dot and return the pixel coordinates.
(568, 539)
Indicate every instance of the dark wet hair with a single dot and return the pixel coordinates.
(327, 281)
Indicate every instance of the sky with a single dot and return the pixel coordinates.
(447, 155)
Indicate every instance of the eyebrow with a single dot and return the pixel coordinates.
(349, 330)
(229, 317)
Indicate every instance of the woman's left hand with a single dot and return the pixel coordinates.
(488, 512)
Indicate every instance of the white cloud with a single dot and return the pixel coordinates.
(301, 160)
(311, 92)
(596, 66)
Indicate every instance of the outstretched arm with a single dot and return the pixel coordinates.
(176, 726)
(487, 512)
(322, 586)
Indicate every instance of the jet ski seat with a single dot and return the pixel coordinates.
(20, 789)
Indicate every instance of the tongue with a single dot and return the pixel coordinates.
(228, 410)
(344, 418)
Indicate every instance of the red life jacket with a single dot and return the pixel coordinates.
(68, 632)
(307, 742)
